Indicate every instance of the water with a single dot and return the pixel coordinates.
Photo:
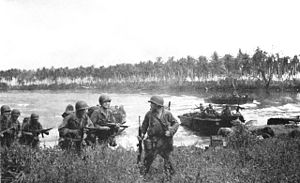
(51, 104)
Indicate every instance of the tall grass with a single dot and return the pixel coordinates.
(270, 160)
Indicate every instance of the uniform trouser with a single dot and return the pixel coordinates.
(161, 146)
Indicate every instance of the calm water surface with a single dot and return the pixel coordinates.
(51, 104)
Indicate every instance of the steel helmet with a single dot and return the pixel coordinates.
(81, 105)
(34, 116)
(157, 100)
(5, 108)
(69, 110)
(104, 98)
(15, 112)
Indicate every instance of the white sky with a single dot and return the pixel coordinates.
(59, 33)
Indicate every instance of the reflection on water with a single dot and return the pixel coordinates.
(51, 104)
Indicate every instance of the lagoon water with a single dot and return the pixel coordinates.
(51, 104)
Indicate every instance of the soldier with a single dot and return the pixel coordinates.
(201, 108)
(69, 110)
(100, 117)
(72, 127)
(4, 125)
(238, 114)
(210, 111)
(15, 124)
(226, 112)
(62, 142)
(29, 132)
(160, 126)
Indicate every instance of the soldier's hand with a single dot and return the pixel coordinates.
(168, 133)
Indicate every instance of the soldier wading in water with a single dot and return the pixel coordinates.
(160, 126)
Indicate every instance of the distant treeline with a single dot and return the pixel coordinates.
(262, 70)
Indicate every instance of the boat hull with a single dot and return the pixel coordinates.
(205, 126)
(282, 121)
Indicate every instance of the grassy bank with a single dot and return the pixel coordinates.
(244, 160)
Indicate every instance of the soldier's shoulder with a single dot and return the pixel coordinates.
(70, 116)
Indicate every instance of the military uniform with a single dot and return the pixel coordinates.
(29, 136)
(72, 131)
(100, 117)
(5, 125)
(157, 142)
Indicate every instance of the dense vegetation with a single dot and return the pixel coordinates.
(261, 70)
(245, 159)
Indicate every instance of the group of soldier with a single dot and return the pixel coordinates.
(91, 125)
(225, 113)
(12, 131)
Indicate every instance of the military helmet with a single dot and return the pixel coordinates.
(34, 116)
(157, 100)
(69, 110)
(15, 112)
(81, 105)
(5, 108)
(104, 98)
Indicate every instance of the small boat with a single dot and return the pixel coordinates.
(283, 121)
(204, 124)
(241, 99)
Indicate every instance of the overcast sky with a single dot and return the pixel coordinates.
(60, 33)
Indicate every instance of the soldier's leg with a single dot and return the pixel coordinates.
(167, 162)
(150, 154)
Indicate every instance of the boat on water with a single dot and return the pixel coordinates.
(232, 99)
(283, 121)
(206, 125)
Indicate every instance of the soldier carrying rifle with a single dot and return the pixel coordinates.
(31, 131)
(72, 128)
(160, 126)
(103, 116)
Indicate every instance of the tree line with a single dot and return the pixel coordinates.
(261, 66)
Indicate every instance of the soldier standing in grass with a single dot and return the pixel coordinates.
(30, 137)
(62, 141)
(4, 125)
(15, 124)
(160, 127)
(72, 127)
(100, 117)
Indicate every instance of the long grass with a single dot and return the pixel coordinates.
(243, 160)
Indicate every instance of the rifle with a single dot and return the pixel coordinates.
(6, 131)
(42, 131)
(94, 130)
(113, 125)
(140, 144)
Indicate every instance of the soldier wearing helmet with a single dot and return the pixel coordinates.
(28, 135)
(63, 142)
(160, 127)
(15, 124)
(226, 112)
(100, 117)
(210, 111)
(4, 125)
(72, 128)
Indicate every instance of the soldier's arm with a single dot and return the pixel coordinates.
(62, 129)
(174, 125)
(94, 117)
(89, 122)
(145, 123)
